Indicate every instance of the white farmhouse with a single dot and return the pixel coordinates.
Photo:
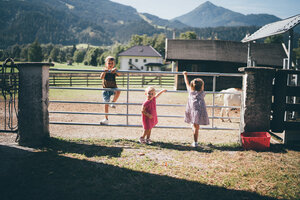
(144, 58)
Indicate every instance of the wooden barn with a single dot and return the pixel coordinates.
(220, 57)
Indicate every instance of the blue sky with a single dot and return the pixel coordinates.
(168, 9)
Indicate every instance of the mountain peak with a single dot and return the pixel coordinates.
(207, 7)
(207, 3)
(209, 15)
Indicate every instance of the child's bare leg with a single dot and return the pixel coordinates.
(149, 133)
(106, 110)
(116, 96)
(196, 132)
(145, 133)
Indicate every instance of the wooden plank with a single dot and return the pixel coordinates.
(279, 92)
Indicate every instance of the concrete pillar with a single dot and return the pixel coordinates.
(257, 99)
(33, 116)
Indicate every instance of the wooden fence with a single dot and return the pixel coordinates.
(93, 79)
(286, 106)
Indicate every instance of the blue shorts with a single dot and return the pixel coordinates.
(107, 94)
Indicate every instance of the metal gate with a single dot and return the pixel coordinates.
(8, 96)
(127, 75)
(286, 106)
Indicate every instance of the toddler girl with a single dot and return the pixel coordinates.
(195, 113)
(149, 114)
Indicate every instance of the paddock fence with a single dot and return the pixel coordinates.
(129, 85)
(93, 79)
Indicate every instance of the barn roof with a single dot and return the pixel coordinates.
(224, 51)
(144, 51)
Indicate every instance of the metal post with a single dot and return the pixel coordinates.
(127, 106)
(289, 66)
(249, 55)
(290, 48)
(213, 110)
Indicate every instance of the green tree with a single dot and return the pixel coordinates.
(1, 55)
(91, 56)
(73, 49)
(136, 40)
(79, 56)
(35, 53)
(297, 50)
(47, 48)
(62, 56)
(189, 35)
(24, 54)
(159, 43)
(54, 54)
(274, 39)
(15, 52)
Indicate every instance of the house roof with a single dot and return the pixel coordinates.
(224, 51)
(144, 51)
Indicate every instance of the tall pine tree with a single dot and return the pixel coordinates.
(35, 52)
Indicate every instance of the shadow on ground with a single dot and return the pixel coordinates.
(48, 175)
(208, 148)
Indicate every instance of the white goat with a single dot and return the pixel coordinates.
(230, 100)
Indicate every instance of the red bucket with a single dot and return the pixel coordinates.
(256, 140)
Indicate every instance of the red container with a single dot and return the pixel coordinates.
(256, 140)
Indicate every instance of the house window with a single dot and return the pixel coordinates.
(136, 60)
(142, 67)
(145, 60)
(130, 60)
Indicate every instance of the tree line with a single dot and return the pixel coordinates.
(95, 56)
(92, 56)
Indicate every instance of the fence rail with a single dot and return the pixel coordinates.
(93, 79)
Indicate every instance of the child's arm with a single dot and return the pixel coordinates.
(114, 70)
(146, 113)
(160, 92)
(186, 80)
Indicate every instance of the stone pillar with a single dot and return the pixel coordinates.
(257, 99)
(33, 116)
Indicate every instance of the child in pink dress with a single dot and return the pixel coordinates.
(149, 114)
(195, 113)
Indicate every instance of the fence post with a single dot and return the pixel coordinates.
(257, 102)
(33, 118)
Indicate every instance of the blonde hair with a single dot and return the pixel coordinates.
(150, 88)
(109, 58)
(197, 84)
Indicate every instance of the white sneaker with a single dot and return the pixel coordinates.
(104, 122)
(194, 144)
(112, 105)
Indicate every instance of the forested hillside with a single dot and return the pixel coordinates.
(103, 22)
